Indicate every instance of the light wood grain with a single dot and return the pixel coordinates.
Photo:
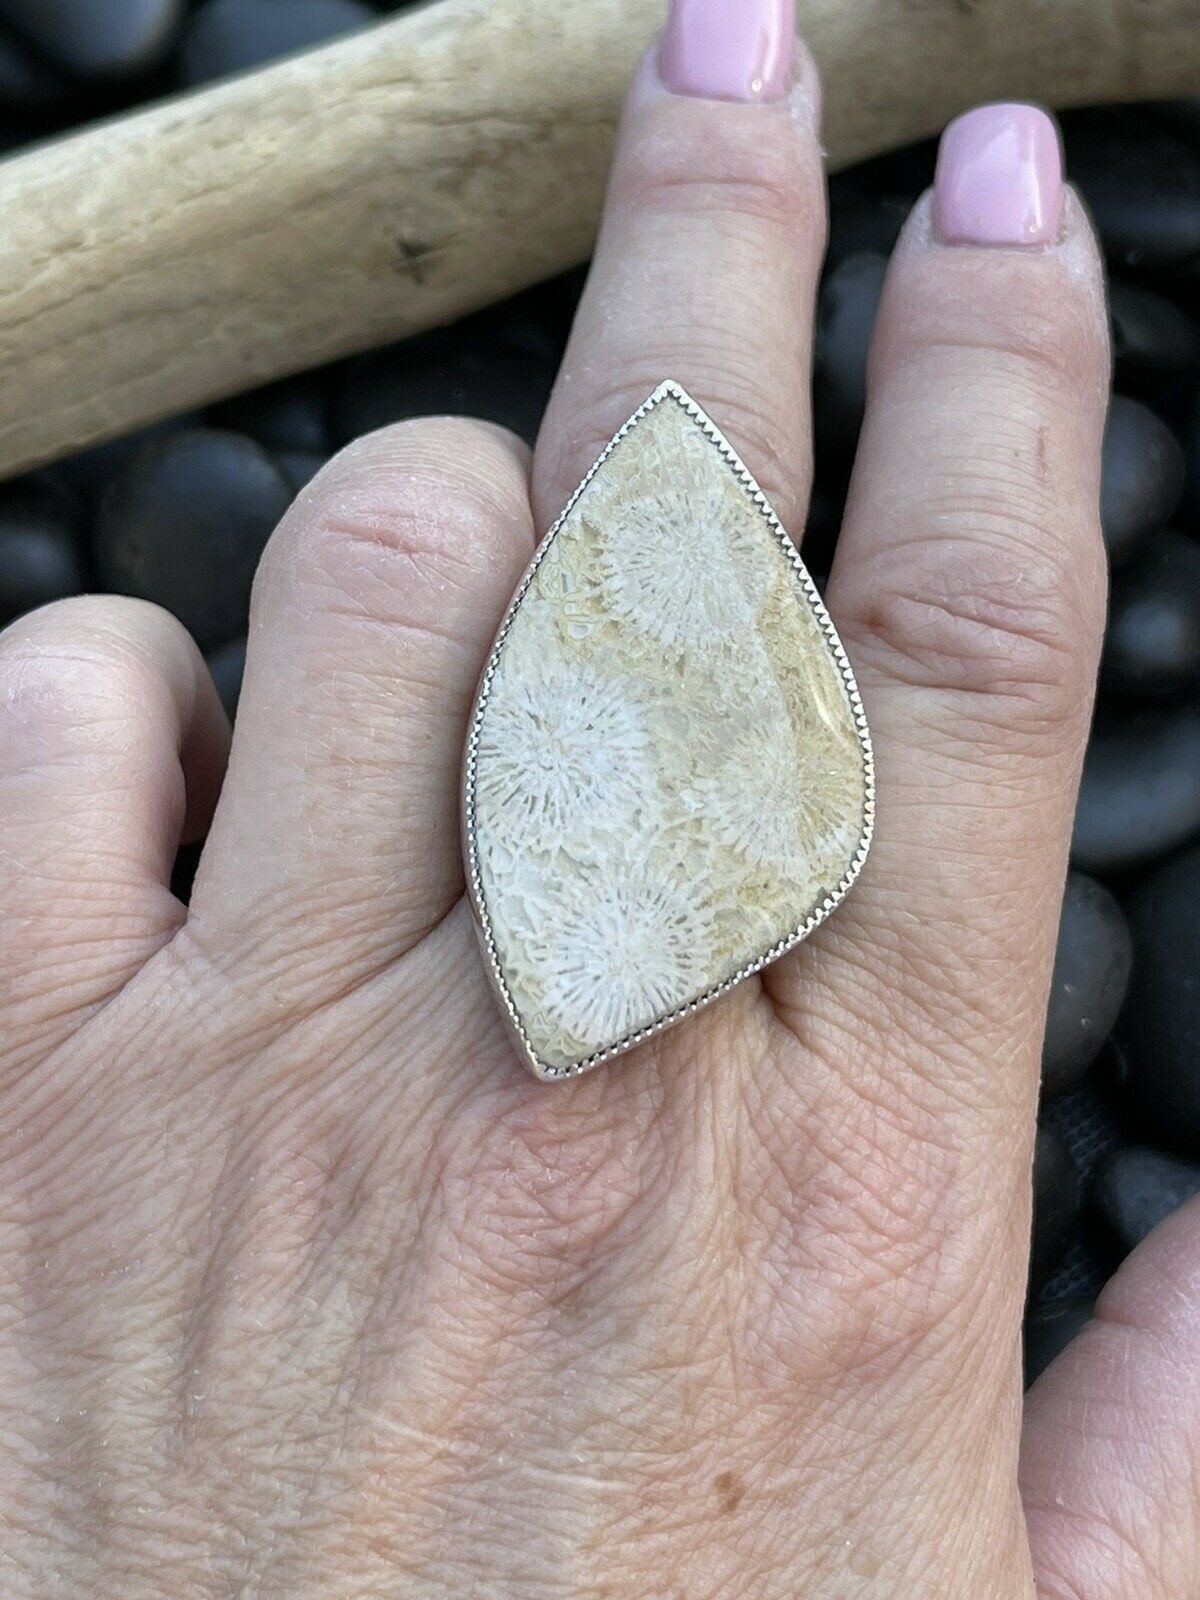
(425, 167)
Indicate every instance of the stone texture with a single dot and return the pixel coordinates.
(667, 775)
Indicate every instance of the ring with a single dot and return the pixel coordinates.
(668, 779)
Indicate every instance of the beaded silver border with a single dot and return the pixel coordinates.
(665, 391)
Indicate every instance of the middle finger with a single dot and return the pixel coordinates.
(708, 257)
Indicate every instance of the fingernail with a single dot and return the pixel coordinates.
(728, 49)
(999, 178)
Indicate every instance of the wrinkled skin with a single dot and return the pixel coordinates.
(307, 1289)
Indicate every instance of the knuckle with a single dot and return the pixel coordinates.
(876, 1260)
(1035, 314)
(426, 465)
(997, 619)
(81, 667)
(420, 505)
(539, 1189)
(691, 163)
(779, 457)
(109, 626)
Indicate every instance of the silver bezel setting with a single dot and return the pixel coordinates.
(673, 392)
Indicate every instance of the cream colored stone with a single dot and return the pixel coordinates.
(668, 777)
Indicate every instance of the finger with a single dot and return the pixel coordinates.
(969, 588)
(1111, 1450)
(706, 266)
(112, 748)
(335, 845)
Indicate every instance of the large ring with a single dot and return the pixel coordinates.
(668, 778)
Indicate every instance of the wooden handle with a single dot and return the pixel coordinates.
(429, 165)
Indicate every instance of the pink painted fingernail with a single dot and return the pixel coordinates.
(728, 49)
(999, 178)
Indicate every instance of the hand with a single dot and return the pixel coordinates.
(307, 1289)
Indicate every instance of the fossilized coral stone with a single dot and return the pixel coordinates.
(668, 776)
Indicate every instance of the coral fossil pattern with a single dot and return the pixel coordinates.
(677, 602)
(626, 946)
(539, 776)
(670, 774)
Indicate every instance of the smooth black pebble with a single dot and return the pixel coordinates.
(862, 217)
(186, 523)
(1056, 1202)
(227, 664)
(227, 36)
(1181, 115)
(41, 557)
(1142, 475)
(846, 308)
(289, 415)
(1160, 1025)
(537, 320)
(89, 472)
(27, 85)
(1141, 182)
(300, 467)
(1091, 972)
(1140, 795)
(908, 170)
(1050, 1330)
(1139, 1188)
(1155, 342)
(98, 38)
(1191, 449)
(468, 369)
(1152, 645)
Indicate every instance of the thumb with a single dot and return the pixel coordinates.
(1110, 1457)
